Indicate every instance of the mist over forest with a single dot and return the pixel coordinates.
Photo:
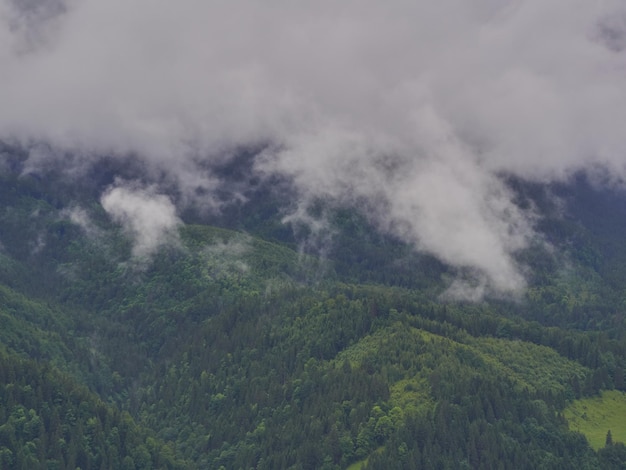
(312, 235)
(415, 114)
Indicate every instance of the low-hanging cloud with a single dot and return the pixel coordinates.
(149, 218)
(414, 110)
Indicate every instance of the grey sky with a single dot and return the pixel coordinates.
(414, 106)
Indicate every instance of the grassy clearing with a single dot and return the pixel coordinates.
(595, 416)
(358, 465)
(362, 463)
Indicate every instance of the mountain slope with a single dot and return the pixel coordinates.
(221, 349)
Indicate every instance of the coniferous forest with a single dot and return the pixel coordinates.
(312, 235)
(244, 342)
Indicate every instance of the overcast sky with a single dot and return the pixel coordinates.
(415, 107)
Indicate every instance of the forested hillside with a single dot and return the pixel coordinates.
(243, 342)
(312, 235)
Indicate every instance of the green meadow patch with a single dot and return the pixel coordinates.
(594, 417)
(358, 465)
(363, 463)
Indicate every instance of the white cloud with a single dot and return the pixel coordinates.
(415, 108)
(150, 218)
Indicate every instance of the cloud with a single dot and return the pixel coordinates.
(150, 218)
(413, 110)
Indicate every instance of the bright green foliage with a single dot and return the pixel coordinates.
(534, 368)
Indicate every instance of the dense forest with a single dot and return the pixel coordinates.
(247, 343)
